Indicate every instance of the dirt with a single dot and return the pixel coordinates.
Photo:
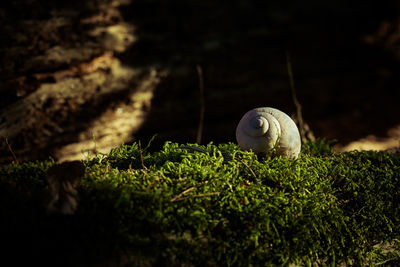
(82, 77)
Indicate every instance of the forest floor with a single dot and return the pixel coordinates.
(85, 78)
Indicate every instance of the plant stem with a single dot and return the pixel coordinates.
(295, 100)
(202, 104)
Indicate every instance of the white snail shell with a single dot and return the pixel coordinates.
(264, 129)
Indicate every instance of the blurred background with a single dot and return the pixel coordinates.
(84, 76)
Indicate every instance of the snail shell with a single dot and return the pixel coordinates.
(264, 129)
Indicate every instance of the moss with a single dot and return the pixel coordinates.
(178, 206)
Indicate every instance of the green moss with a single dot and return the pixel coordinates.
(178, 206)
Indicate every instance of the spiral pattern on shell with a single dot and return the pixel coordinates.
(264, 129)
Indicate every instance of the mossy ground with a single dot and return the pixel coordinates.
(182, 207)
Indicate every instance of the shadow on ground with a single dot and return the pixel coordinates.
(133, 67)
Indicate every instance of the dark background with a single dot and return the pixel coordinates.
(71, 71)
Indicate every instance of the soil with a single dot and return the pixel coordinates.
(83, 77)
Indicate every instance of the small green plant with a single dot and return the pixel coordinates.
(182, 207)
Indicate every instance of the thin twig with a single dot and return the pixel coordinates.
(12, 152)
(294, 97)
(255, 180)
(202, 104)
(95, 144)
(181, 194)
(141, 157)
(197, 196)
(175, 198)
